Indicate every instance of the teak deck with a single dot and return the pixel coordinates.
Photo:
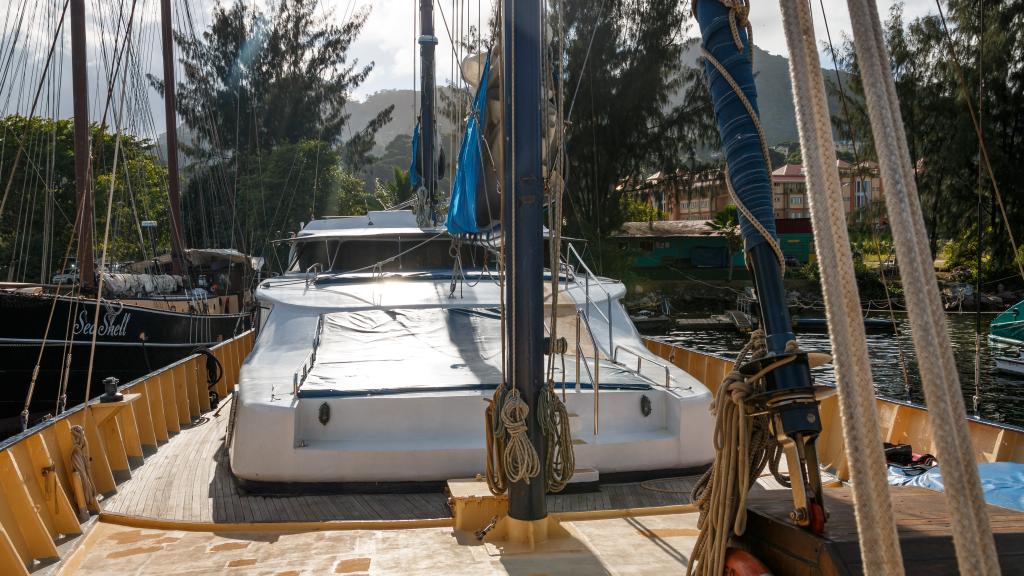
(922, 521)
(189, 479)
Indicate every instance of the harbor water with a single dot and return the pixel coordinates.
(1000, 395)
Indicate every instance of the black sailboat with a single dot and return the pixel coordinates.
(138, 317)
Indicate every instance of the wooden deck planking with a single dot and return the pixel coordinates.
(189, 479)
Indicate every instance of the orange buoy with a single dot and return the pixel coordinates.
(742, 563)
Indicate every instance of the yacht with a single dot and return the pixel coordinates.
(375, 359)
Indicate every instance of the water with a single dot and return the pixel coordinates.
(1000, 396)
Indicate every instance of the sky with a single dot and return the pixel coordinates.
(388, 35)
(388, 39)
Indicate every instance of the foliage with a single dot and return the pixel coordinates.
(988, 37)
(726, 222)
(46, 169)
(620, 122)
(634, 210)
(265, 95)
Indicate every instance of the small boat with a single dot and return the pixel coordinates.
(1010, 364)
(1008, 327)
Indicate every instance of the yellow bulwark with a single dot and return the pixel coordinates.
(900, 422)
(42, 497)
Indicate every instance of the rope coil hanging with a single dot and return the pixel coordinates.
(744, 446)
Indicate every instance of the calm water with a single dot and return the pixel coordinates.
(1000, 395)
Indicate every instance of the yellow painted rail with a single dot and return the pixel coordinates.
(899, 422)
(41, 495)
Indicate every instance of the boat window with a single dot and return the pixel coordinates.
(393, 254)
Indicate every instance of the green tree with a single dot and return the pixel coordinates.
(265, 95)
(988, 37)
(727, 224)
(621, 124)
(37, 224)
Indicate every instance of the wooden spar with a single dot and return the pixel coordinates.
(83, 185)
(173, 182)
(523, 233)
(427, 41)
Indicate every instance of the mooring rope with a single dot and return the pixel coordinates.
(80, 461)
(744, 445)
(520, 458)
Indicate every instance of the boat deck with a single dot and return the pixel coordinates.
(189, 480)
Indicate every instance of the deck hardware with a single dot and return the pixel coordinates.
(324, 413)
(560, 345)
(482, 533)
(110, 386)
(645, 405)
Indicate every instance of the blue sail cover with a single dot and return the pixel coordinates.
(462, 210)
(414, 174)
(748, 171)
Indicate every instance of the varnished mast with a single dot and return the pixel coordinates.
(173, 182)
(83, 184)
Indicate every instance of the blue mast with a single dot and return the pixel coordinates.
(523, 233)
(789, 396)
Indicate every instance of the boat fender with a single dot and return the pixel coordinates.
(742, 563)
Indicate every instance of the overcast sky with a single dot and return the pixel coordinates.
(388, 39)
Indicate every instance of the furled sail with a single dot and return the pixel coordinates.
(462, 212)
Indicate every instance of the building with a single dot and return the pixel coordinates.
(682, 195)
(861, 185)
(665, 248)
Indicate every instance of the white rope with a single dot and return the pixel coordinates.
(520, 458)
(879, 543)
(80, 462)
(976, 553)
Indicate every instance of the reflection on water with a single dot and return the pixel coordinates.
(1000, 395)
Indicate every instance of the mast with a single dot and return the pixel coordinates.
(523, 232)
(83, 187)
(173, 183)
(427, 41)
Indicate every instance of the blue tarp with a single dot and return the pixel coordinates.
(462, 210)
(414, 174)
(1002, 482)
(748, 170)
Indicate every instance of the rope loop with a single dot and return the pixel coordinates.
(520, 458)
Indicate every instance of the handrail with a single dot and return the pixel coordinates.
(595, 376)
(315, 268)
(307, 363)
(639, 362)
(41, 488)
(588, 274)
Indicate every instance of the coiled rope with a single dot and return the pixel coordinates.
(560, 460)
(510, 455)
(744, 445)
(80, 462)
(520, 458)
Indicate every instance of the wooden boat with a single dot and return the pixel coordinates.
(164, 460)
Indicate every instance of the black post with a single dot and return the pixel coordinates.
(83, 186)
(427, 41)
(173, 183)
(523, 232)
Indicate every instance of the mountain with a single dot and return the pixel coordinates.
(771, 74)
